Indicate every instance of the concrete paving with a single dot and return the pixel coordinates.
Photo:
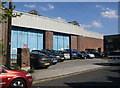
(68, 67)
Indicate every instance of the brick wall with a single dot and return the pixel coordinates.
(80, 43)
(93, 43)
(74, 42)
(48, 40)
(23, 58)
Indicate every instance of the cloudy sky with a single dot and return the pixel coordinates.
(100, 17)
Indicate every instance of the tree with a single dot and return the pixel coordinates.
(6, 17)
(7, 11)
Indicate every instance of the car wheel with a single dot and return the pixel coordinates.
(62, 60)
(84, 57)
(18, 83)
(46, 67)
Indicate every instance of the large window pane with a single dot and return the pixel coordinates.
(55, 43)
(40, 40)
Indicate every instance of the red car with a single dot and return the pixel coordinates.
(14, 78)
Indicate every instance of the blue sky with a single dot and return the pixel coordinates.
(100, 17)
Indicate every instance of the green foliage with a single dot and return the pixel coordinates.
(16, 66)
(0, 47)
(7, 12)
(31, 70)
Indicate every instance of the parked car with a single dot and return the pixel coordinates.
(88, 54)
(14, 78)
(66, 53)
(58, 54)
(82, 55)
(48, 54)
(74, 53)
(96, 53)
(114, 57)
(39, 60)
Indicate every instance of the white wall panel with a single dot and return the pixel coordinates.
(43, 23)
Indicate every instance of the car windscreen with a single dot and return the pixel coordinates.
(74, 51)
(66, 52)
(39, 55)
(35, 51)
(82, 52)
(55, 52)
(5, 67)
(47, 53)
(88, 52)
(79, 53)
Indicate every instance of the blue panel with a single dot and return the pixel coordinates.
(26, 38)
(66, 42)
(32, 40)
(25, 41)
(22, 39)
(40, 40)
(55, 43)
(14, 43)
(60, 42)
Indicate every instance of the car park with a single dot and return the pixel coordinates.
(14, 78)
(95, 52)
(82, 55)
(40, 60)
(88, 54)
(58, 54)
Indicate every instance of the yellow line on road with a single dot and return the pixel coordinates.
(67, 75)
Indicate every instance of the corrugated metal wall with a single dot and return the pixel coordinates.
(24, 38)
(61, 41)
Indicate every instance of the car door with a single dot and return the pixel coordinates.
(3, 78)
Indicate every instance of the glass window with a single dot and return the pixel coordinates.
(119, 39)
(111, 46)
(109, 40)
(106, 46)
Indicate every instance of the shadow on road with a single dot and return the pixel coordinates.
(114, 82)
(102, 64)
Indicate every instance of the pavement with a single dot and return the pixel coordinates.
(61, 70)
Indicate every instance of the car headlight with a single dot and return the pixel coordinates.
(28, 75)
(57, 56)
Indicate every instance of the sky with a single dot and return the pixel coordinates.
(101, 17)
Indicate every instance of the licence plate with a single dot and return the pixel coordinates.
(55, 61)
(62, 58)
(47, 63)
(74, 54)
(66, 55)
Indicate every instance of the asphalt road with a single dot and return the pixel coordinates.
(105, 77)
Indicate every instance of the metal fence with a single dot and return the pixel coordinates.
(13, 60)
